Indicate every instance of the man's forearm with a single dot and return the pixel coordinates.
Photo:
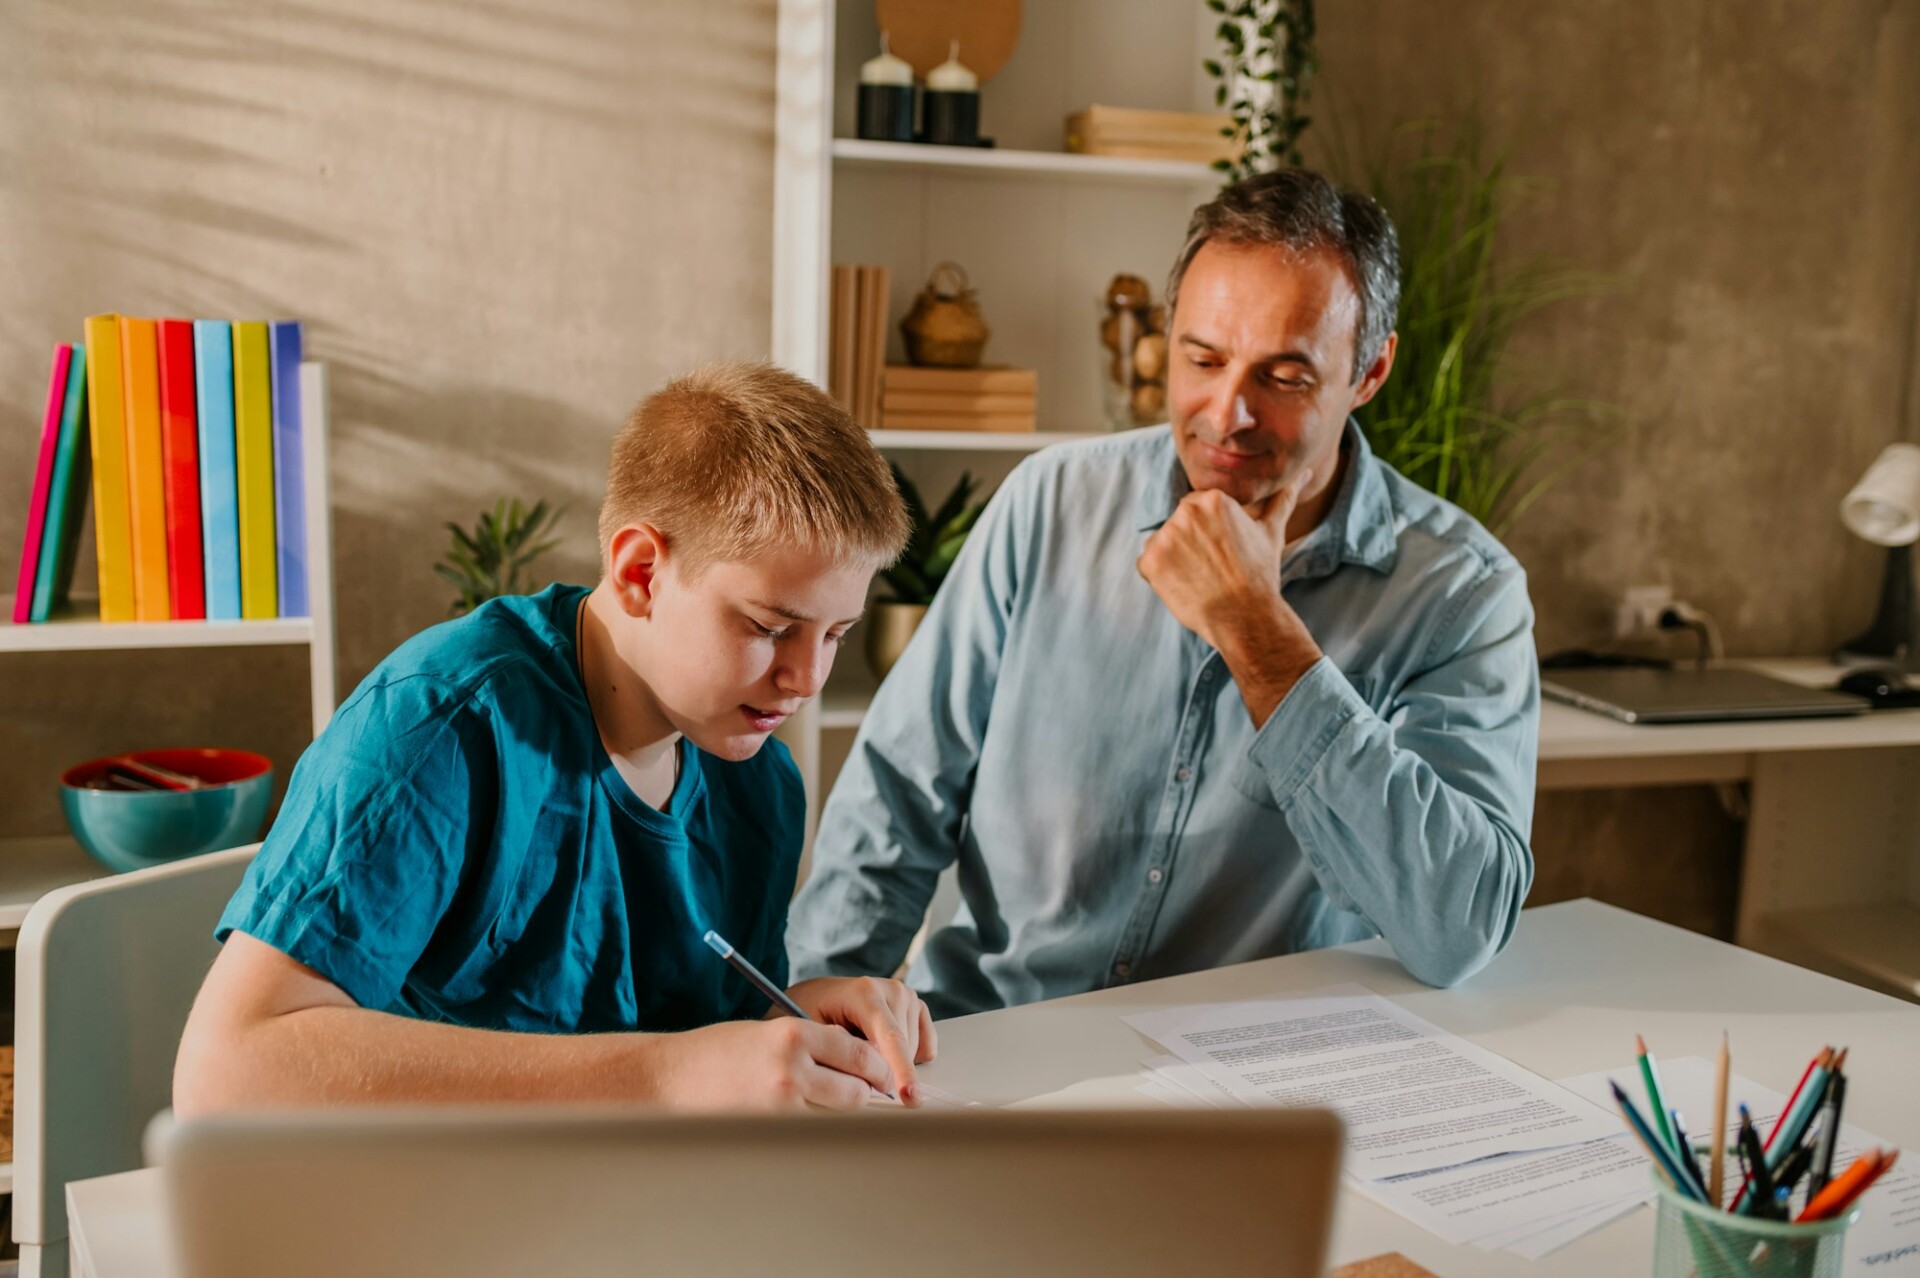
(1267, 654)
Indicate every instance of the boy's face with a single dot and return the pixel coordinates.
(732, 653)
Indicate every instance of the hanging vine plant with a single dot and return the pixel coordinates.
(1262, 80)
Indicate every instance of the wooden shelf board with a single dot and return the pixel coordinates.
(995, 162)
(977, 440)
(86, 633)
(1877, 945)
(32, 867)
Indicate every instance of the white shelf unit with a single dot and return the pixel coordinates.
(850, 153)
(32, 867)
(1039, 231)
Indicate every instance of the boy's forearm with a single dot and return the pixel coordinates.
(329, 1055)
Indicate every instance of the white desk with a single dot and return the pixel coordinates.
(1831, 872)
(1579, 981)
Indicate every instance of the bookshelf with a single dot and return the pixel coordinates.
(32, 867)
(1040, 232)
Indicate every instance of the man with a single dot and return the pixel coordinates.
(1208, 692)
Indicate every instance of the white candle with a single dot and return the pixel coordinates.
(886, 69)
(952, 76)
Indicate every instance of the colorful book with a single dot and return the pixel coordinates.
(289, 474)
(253, 464)
(146, 476)
(180, 463)
(112, 517)
(219, 485)
(67, 498)
(42, 484)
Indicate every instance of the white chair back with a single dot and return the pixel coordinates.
(107, 971)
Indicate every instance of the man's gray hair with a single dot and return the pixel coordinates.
(1301, 211)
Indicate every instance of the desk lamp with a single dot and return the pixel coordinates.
(1884, 508)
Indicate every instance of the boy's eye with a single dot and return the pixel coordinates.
(781, 633)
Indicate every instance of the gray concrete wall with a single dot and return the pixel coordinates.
(503, 223)
(1752, 172)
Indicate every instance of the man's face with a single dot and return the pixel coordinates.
(732, 653)
(1261, 377)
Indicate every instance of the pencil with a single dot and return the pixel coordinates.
(1787, 1114)
(1655, 1101)
(1661, 1155)
(1717, 1180)
(1848, 1185)
(738, 962)
(718, 944)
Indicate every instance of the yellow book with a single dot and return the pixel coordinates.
(253, 460)
(107, 436)
(146, 483)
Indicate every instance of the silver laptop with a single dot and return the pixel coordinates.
(1693, 695)
(415, 1193)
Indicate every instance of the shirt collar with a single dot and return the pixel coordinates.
(1359, 527)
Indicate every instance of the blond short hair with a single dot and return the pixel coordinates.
(733, 460)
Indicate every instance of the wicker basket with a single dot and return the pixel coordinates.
(945, 328)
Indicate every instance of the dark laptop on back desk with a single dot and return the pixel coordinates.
(1693, 695)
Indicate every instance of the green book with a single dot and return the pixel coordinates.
(66, 496)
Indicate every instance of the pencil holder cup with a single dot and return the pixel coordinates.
(1691, 1240)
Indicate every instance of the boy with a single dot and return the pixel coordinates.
(491, 874)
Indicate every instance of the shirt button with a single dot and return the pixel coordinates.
(1182, 775)
(1155, 875)
(1123, 970)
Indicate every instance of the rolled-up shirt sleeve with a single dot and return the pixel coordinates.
(1416, 816)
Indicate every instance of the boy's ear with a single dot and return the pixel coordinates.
(634, 561)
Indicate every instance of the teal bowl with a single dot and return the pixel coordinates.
(134, 829)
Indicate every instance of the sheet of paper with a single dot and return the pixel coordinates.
(1414, 1097)
(1887, 1239)
(931, 1097)
(1174, 1072)
(1514, 1191)
(1168, 1094)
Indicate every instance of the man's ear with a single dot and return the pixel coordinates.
(634, 561)
(1377, 375)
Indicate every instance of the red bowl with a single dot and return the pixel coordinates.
(215, 767)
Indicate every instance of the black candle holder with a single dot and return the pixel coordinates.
(885, 112)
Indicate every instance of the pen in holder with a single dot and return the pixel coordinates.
(1692, 1240)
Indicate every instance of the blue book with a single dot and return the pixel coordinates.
(66, 496)
(289, 470)
(219, 481)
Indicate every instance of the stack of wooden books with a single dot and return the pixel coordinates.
(989, 398)
(1193, 137)
(857, 340)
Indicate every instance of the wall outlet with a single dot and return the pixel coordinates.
(1639, 609)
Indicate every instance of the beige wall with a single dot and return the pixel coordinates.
(1753, 170)
(503, 222)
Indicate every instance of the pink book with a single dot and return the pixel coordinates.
(42, 482)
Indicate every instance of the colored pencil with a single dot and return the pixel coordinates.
(1655, 1101)
(1849, 1185)
(1716, 1178)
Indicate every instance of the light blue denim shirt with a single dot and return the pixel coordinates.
(1116, 816)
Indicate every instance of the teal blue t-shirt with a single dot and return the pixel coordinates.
(457, 846)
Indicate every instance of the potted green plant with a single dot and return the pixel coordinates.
(1455, 417)
(1264, 72)
(914, 579)
(493, 558)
